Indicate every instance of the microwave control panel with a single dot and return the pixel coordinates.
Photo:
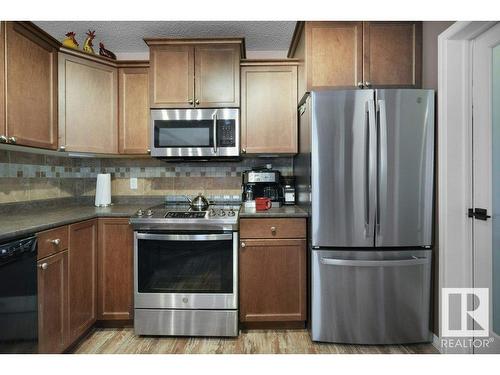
(226, 133)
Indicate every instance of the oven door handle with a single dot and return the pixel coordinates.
(184, 237)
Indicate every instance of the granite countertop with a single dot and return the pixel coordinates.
(38, 219)
(283, 211)
(32, 220)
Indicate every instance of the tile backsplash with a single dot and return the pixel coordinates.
(27, 176)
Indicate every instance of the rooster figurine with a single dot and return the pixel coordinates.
(105, 52)
(70, 40)
(87, 45)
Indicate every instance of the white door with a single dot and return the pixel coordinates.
(486, 175)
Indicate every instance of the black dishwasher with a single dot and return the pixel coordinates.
(18, 296)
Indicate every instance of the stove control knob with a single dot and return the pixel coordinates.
(231, 212)
(149, 213)
(211, 212)
(222, 213)
(140, 212)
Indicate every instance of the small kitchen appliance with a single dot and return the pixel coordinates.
(288, 186)
(186, 270)
(262, 183)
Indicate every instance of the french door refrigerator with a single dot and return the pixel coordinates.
(367, 161)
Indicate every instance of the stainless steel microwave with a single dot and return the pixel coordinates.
(195, 133)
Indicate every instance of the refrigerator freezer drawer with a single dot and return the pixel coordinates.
(371, 297)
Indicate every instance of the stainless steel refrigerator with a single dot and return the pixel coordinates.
(365, 172)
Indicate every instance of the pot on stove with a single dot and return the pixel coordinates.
(199, 203)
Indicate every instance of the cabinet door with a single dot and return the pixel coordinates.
(87, 105)
(53, 303)
(82, 277)
(172, 76)
(269, 109)
(3, 130)
(115, 269)
(133, 115)
(392, 54)
(31, 65)
(334, 54)
(272, 280)
(217, 75)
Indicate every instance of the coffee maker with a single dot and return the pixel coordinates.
(262, 182)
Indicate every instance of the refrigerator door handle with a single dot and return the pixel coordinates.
(371, 178)
(382, 162)
(411, 261)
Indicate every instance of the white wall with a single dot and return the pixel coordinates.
(430, 31)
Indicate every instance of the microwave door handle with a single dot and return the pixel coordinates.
(214, 116)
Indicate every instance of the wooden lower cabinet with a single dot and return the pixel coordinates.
(82, 277)
(53, 308)
(272, 280)
(115, 269)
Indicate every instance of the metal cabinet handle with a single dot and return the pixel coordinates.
(243, 244)
(12, 140)
(197, 102)
(3, 139)
(273, 229)
(243, 150)
(360, 84)
(55, 242)
(61, 148)
(190, 101)
(368, 84)
(43, 266)
(148, 151)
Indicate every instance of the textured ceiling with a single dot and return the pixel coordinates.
(126, 36)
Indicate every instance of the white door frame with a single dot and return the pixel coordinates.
(482, 168)
(455, 157)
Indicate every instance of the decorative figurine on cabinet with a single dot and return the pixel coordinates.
(87, 45)
(70, 41)
(105, 52)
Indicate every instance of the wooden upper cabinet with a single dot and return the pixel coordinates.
(133, 110)
(172, 76)
(217, 75)
(334, 54)
(392, 54)
(188, 73)
(82, 277)
(357, 54)
(269, 109)
(115, 269)
(88, 120)
(31, 86)
(53, 305)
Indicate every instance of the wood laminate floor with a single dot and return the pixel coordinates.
(123, 341)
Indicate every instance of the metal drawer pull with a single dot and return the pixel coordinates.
(56, 242)
(413, 261)
(243, 244)
(273, 229)
(43, 266)
(184, 237)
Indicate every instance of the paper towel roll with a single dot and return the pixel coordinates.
(103, 190)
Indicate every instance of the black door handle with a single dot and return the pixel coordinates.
(479, 213)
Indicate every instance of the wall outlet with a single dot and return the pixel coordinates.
(133, 183)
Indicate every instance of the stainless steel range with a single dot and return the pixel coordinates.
(186, 270)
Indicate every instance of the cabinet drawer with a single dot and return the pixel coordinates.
(273, 228)
(52, 241)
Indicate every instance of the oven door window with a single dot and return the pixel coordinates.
(185, 266)
(183, 133)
